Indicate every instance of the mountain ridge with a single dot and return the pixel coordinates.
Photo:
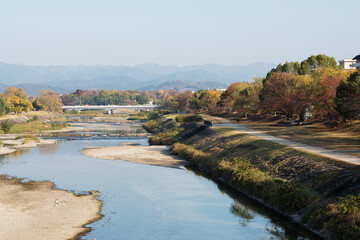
(142, 76)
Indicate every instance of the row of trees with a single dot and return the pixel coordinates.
(316, 87)
(106, 97)
(15, 100)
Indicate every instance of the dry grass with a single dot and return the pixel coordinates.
(345, 139)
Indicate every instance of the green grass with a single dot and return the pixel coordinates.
(32, 137)
(33, 127)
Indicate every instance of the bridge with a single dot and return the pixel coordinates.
(110, 108)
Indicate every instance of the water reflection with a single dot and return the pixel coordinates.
(248, 211)
(243, 212)
(49, 149)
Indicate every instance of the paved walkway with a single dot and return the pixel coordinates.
(301, 146)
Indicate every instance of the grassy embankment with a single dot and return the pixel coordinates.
(31, 123)
(323, 193)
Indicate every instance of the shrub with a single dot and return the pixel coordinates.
(189, 118)
(340, 220)
(35, 118)
(134, 118)
(27, 137)
(55, 124)
(164, 138)
(151, 126)
(6, 125)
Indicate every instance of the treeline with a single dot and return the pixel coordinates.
(108, 97)
(317, 87)
(14, 100)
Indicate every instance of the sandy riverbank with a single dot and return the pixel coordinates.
(152, 155)
(34, 210)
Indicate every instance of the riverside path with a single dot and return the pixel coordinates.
(334, 154)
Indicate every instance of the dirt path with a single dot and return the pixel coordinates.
(301, 146)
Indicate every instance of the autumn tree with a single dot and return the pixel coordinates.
(183, 100)
(289, 94)
(348, 97)
(327, 81)
(210, 100)
(50, 101)
(2, 105)
(227, 97)
(246, 96)
(16, 100)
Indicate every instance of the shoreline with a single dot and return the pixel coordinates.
(35, 210)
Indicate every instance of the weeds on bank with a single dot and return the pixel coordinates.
(339, 220)
(27, 137)
(242, 174)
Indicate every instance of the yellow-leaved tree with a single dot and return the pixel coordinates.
(16, 100)
(50, 101)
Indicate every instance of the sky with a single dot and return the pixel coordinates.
(174, 32)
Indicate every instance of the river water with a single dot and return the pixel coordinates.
(149, 202)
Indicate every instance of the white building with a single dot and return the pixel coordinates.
(347, 64)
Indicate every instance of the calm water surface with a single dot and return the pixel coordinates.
(149, 202)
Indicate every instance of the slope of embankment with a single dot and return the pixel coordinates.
(321, 193)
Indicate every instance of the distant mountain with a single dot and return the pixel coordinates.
(125, 77)
(33, 89)
(178, 85)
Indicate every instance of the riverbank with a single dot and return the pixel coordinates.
(151, 155)
(34, 210)
(312, 190)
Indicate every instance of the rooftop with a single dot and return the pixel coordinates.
(357, 58)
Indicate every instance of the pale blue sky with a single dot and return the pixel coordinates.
(116, 32)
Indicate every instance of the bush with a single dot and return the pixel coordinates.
(163, 138)
(35, 118)
(340, 220)
(6, 125)
(27, 137)
(58, 124)
(189, 118)
(134, 118)
(151, 126)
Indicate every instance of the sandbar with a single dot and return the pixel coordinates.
(34, 210)
(151, 155)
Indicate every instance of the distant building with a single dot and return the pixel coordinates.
(357, 63)
(347, 64)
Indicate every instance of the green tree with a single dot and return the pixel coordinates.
(348, 97)
(318, 61)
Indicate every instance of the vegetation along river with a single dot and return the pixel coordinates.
(149, 202)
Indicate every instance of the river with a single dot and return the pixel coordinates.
(149, 202)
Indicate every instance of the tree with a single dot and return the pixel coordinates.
(289, 94)
(210, 100)
(227, 97)
(2, 105)
(246, 96)
(16, 100)
(348, 97)
(183, 100)
(327, 80)
(315, 62)
(50, 101)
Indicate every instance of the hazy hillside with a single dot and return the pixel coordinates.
(142, 76)
(185, 86)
